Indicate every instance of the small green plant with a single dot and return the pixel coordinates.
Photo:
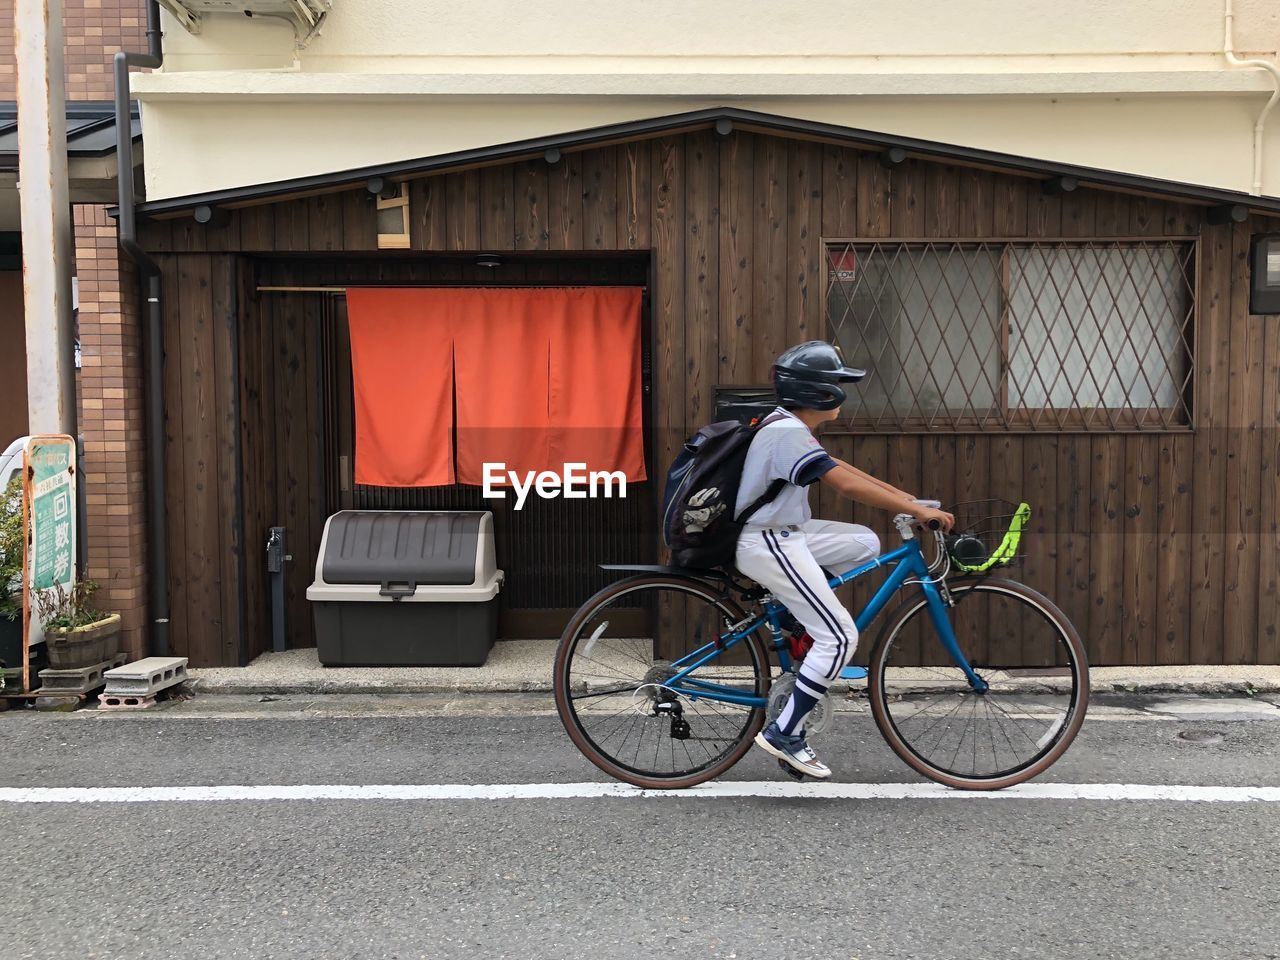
(11, 550)
(63, 609)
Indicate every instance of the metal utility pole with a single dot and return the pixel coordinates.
(46, 217)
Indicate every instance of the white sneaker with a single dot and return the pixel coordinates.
(793, 751)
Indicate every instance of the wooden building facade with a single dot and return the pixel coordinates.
(1154, 488)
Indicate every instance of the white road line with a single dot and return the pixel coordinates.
(574, 791)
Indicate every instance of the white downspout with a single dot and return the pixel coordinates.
(1228, 48)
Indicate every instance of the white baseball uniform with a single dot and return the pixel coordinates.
(785, 550)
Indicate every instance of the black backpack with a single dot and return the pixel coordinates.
(698, 524)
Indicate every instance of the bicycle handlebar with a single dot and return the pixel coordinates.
(934, 505)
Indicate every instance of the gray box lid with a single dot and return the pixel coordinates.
(392, 548)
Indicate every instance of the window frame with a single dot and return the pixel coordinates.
(1043, 420)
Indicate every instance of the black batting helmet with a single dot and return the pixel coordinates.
(809, 375)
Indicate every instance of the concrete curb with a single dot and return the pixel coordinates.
(525, 666)
(222, 685)
(1202, 686)
(1191, 685)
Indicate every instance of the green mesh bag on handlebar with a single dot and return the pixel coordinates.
(970, 552)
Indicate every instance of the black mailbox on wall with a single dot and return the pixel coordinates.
(744, 403)
(1264, 274)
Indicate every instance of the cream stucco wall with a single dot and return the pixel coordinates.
(1140, 86)
(552, 35)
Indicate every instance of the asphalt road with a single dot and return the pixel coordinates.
(619, 877)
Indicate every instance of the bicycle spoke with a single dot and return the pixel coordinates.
(637, 656)
(615, 672)
(1012, 750)
(712, 706)
(1009, 717)
(959, 743)
(995, 750)
(620, 724)
(920, 713)
(974, 768)
(945, 716)
(710, 721)
(605, 693)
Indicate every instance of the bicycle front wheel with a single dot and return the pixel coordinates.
(612, 672)
(1034, 666)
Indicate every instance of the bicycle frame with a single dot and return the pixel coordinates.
(908, 564)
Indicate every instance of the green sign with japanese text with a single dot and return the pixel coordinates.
(51, 462)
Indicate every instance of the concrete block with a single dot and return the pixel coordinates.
(55, 683)
(146, 677)
(63, 703)
(13, 679)
(109, 701)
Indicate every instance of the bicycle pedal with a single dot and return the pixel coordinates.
(790, 771)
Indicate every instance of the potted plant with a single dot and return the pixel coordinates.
(76, 632)
(11, 536)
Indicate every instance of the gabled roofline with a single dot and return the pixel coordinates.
(702, 119)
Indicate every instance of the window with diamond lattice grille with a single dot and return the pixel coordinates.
(1078, 335)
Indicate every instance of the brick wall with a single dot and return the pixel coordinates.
(111, 421)
(93, 31)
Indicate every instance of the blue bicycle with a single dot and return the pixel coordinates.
(663, 678)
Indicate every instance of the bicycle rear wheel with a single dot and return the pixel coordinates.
(611, 668)
(1028, 653)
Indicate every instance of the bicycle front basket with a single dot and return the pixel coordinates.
(988, 534)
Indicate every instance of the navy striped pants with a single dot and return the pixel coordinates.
(788, 562)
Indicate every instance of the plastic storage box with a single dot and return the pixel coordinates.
(406, 588)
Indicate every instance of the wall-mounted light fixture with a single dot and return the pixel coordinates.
(382, 188)
(1055, 186)
(552, 156)
(892, 157)
(724, 126)
(211, 216)
(1227, 213)
(489, 261)
(1264, 274)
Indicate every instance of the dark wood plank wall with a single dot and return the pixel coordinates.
(1162, 547)
(283, 436)
(202, 432)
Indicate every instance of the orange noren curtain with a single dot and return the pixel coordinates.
(541, 377)
(501, 374)
(402, 373)
(596, 379)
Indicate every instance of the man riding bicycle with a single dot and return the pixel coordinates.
(785, 550)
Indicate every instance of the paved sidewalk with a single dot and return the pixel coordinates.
(524, 666)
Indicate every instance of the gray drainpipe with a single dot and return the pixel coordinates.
(153, 347)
